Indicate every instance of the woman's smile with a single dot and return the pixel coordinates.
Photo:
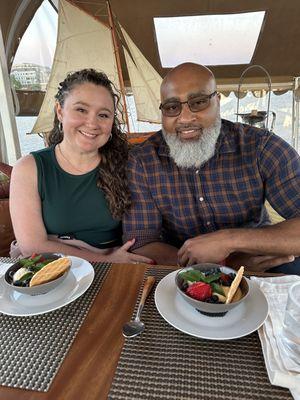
(87, 134)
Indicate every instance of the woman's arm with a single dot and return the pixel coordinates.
(28, 224)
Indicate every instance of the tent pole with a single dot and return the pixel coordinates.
(10, 132)
(118, 61)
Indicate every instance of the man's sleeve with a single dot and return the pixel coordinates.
(280, 170)
(143, 220)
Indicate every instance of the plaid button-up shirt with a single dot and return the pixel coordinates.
(172, 204)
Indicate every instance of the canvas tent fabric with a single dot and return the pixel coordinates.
(277, 48)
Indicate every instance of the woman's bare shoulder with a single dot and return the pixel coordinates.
(25, 163)
(24, 170)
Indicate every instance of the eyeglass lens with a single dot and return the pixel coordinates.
(195, 104)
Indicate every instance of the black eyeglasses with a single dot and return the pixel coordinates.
(173, 108)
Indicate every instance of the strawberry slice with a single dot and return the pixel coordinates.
(199, 291)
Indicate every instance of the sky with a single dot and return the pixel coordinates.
(38, 43)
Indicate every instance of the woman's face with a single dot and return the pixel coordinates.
(87, 117)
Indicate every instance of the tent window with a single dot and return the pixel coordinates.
(208, 39)
(282, 106)
(31, 70)
(33, 60)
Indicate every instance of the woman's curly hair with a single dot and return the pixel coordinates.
(114, 154)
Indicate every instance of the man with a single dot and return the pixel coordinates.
(199, 185)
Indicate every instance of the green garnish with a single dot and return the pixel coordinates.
(217, 288)
(25, 262)
(193, 276)
(197, 276)
(212, 278)
(38, 266)
(36, 259)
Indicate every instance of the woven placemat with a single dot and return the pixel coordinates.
(164, 363)
(33, 348)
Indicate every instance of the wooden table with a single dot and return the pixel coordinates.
(88, 369)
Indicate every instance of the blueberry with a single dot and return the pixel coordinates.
(213, 299)
(209, 300)
(212, 271)
(184, 287)
(226, 283)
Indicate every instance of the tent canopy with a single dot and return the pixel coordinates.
(277, 49)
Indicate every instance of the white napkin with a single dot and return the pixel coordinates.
(282, 371)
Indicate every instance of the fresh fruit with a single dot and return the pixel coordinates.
(199, 291)
(219, 297)
(225, 279)
(211, 286)
(28, 267)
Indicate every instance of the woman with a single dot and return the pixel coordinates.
(70, 197)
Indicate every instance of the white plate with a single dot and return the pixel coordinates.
(78, 280)
(240, 321)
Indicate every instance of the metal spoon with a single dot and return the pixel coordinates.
(134, 328)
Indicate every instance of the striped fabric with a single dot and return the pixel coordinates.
(172, 204)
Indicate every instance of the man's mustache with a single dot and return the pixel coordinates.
(185, 127)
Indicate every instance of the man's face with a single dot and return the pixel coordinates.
(188, 125)
(192, 135)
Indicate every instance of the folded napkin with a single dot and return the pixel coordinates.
(282, 370)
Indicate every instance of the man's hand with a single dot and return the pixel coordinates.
(217, 246)
(211, 247)
(257, 262)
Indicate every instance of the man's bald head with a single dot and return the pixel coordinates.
(187, 74)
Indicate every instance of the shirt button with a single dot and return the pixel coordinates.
(197, 171)
(201, 199)
(208, 223)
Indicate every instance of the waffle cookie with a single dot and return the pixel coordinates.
(51, 271)
(234, 285)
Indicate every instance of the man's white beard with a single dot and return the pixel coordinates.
(197, 152)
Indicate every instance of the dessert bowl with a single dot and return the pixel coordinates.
(38, 289)
(210, 308)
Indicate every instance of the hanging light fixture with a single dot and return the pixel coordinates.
(255, 117)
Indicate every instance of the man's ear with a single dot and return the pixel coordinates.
(58, 110)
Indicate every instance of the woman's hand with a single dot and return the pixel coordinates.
(122, 255)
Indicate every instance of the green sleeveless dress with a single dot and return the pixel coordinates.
(73, 205)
